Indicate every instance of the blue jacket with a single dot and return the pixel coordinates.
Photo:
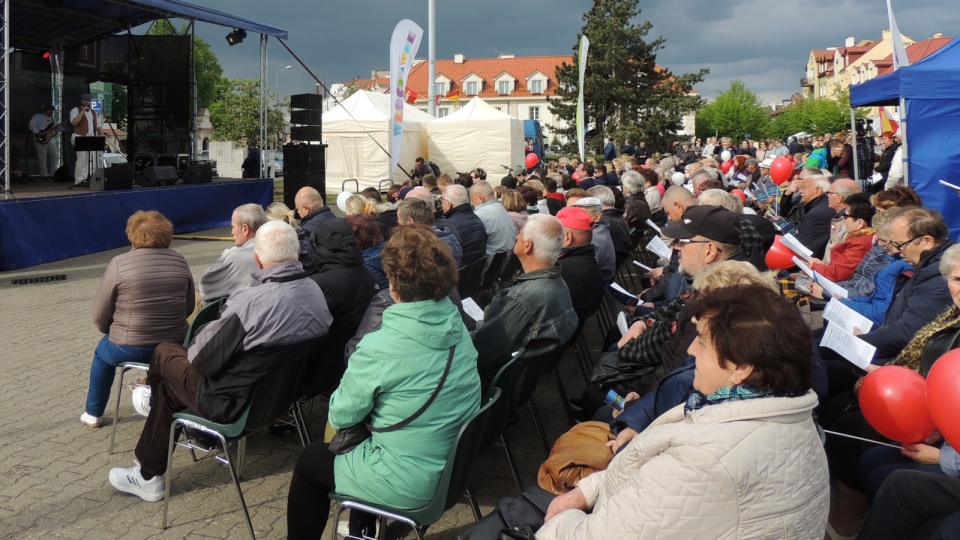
(373, 263)
(874, 306)
(472, 232)
(917, 300)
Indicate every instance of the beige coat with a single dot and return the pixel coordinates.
(741, 469)
(145, 297)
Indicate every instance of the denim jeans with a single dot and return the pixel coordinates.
(106, 358)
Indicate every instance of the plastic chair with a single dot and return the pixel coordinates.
(209, 313)
(469, 282)
(508, 380)
(492, 274)
(270, 400)
(453, 482)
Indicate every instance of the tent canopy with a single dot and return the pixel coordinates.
(477, 135)
(357, 134)
(37, 23)
(936, 77)
(931, 94)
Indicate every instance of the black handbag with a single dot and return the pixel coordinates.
(515, 518)
(349, 438)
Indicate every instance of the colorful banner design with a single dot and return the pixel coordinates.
(403, 49)
(581, 128)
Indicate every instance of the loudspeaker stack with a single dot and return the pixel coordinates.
(304, 157)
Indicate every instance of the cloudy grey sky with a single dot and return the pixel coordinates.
(763, 43)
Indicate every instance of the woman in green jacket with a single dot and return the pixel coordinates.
(391, 375)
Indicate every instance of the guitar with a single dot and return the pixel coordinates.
(46, 135)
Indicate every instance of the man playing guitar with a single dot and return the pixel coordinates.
(45, 129)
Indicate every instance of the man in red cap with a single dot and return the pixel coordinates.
(578, 261)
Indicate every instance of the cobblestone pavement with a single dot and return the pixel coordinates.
(53, 470)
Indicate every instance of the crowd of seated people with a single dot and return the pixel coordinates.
(723, 379)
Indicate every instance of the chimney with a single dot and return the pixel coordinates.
(458, 59)
(938, 35)
(849, 42)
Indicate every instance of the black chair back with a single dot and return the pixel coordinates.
(468, 445)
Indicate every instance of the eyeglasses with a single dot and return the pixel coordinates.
(901, 245)
(831, 193)
(685, 241)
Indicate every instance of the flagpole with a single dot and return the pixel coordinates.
(903, 142)
(431, 58)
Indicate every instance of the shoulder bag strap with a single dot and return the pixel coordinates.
(417, 414)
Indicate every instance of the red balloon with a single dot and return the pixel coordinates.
(740, 195)
(576, 177)
(943, 395)
(725, 166)
(894, 400)
(781, 170)
(532, 160)
(779, 256)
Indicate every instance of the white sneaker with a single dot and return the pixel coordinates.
(131, 481)
(141, 400)
(90, 421)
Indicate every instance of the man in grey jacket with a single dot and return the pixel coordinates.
(501, 234)
(261, 328)
(234, 269)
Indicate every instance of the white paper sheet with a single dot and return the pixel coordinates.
(657, 246)
(842, 315)
(622, 323)
(616, 286)
(853, 349)
(803, 266)
(876, 178)
(472, 309)
(654, 226)
(749, 194)
(643, 266)
(796, 246)
(829, 286)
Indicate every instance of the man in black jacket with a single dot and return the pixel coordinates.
(814, 229)
(890, 146)
(261, 329)
(457, 209)
(578, 262)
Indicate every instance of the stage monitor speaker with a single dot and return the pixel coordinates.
(198, 173)
(306, 117)
(293, 181)
(112, 178)
(306, 133)
(164, 175)
(306, 101)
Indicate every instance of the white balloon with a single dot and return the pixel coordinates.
(725, 155)
(342, 200)
(678, 179)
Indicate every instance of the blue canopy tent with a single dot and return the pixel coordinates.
(931, 96)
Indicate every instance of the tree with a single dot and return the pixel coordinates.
(236, 114)
(625, 92)
(735, 113)
(816, 116)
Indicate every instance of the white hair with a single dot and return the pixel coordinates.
(821, 181)
(546, 233)
(632, 181)
(603, 193)
(251, 215)
(456, 195)
(719, 197)
(276, 242)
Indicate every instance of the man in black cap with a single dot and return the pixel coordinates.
(704, 235)
(86, 123)
(45, 129)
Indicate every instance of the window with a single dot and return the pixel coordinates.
(473, 88)
(536, 86)
(503, 87)
(443, 111)
(534, 113)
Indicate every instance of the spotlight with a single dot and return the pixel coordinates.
(237, 36)
(45, 54)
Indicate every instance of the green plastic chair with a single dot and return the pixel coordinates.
(453, 482)
(270, 400)
(209, 313)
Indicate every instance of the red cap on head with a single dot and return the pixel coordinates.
(576, 218)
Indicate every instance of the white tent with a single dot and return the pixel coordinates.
(477, 135)
(352, 132)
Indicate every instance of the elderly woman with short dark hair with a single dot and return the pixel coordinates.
(144, 299)
(740, 459)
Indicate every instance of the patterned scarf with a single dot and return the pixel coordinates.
(862, 232)
(912, 354)
(728, 393)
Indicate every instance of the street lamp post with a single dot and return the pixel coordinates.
(276, 81)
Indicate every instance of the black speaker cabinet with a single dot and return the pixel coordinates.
(306, 133)
(306, 117)
(198, 173)
(165, 175)
(303, 157)
(112, 178)
(306, 101)
(293, 181)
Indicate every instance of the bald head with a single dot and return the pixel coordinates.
(845, 187)
(307, 200)
(421, 193)
(676, 200)
(481, 190)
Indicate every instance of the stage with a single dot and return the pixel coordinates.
(48, 222)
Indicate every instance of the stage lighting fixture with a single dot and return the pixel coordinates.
(45, 54)
(237, 36)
